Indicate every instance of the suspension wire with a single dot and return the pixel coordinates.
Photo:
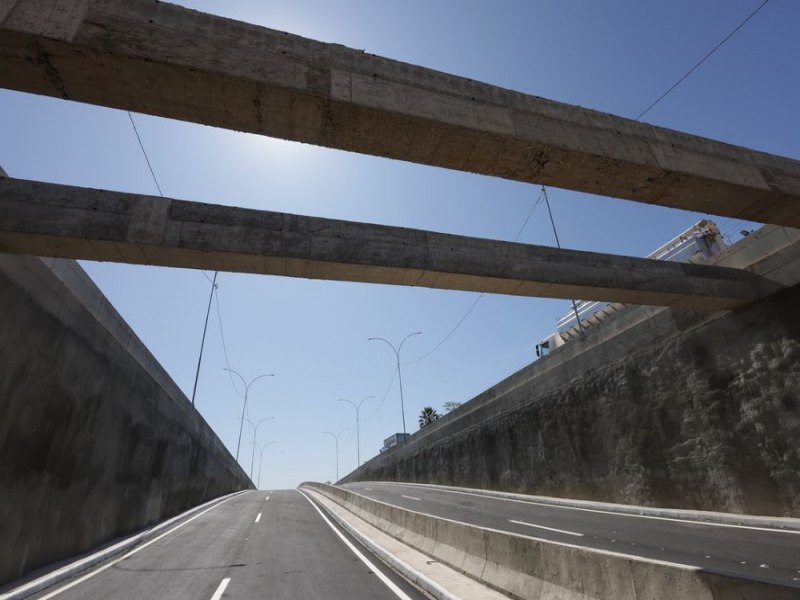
(147, 160)
(478, 299)
(701, 61)
(224, 347)
(383, 399)
(558, 243)
(213, 281)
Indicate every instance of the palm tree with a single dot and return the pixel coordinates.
(427, 416)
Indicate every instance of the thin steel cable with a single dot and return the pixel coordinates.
(701, 61)
(480, 296)
(153, 174)
(146, 158)
(385, 395)
(224, 347)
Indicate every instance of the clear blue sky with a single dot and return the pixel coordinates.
(611, 56)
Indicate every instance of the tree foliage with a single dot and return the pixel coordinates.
(427, 416)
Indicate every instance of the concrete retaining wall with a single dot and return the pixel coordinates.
(659, 407)
(96, 440)
(526, 568)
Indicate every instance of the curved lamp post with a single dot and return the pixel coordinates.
(358, 433)
(260, 457)
(255, 434)
(336, 439)
(399, 374)
(244, 406)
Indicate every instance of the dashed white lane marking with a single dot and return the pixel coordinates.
(388, 582)
(258, 518)
(131, 553)
(410, 497)
(221, 589)
(368, 489)
(612, 512)
(267, 498)
(547, 528)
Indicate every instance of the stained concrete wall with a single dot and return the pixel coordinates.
(96, 440)
(659, 407)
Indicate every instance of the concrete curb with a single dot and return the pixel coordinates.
(57, 576)
(525, 567)
(628, 509)
(407, 571)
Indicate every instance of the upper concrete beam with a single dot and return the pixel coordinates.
(158, 58)
(70, 222)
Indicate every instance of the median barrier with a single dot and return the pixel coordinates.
(526, 567)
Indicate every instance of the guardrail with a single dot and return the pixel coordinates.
(528, 568)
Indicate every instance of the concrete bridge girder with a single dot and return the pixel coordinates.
(158, 58)
(69, 222)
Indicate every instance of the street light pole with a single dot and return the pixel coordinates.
(255, 437)
(336, 439)
(244, 406)
(203, 341)
(358, 429)
(260, 458)
(399, 372)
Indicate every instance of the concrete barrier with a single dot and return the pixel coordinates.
(526, 567)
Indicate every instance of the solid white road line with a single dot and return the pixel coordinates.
(387, 582)
(547, 528)
(258, 518)
(221, 589)
(410, 497)
(131, 553)
(608, 512)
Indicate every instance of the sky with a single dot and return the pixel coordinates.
(616, 57)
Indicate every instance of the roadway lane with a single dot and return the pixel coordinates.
(770, 555)
(278, 548)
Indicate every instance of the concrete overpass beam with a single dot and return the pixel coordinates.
(47, 219)
(158, 58)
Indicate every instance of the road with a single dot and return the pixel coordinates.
(753, 552)
(255, 545)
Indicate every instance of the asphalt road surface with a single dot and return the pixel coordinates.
(255, 545)
(753, 552)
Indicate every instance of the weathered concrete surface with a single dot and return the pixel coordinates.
(96, 441)
(158, 58)
(55, 220)
(659, 407)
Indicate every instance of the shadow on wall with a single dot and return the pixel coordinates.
(96, 441)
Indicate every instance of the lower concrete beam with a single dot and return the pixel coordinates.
(62, 221)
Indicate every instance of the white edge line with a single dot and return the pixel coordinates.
(406, 570)
(388, 582)
(409, 497)
(600, 511)
(654, 561)
(221, 588)
(128, 554)
(547, 528)
(55, 577)
(258, 517)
